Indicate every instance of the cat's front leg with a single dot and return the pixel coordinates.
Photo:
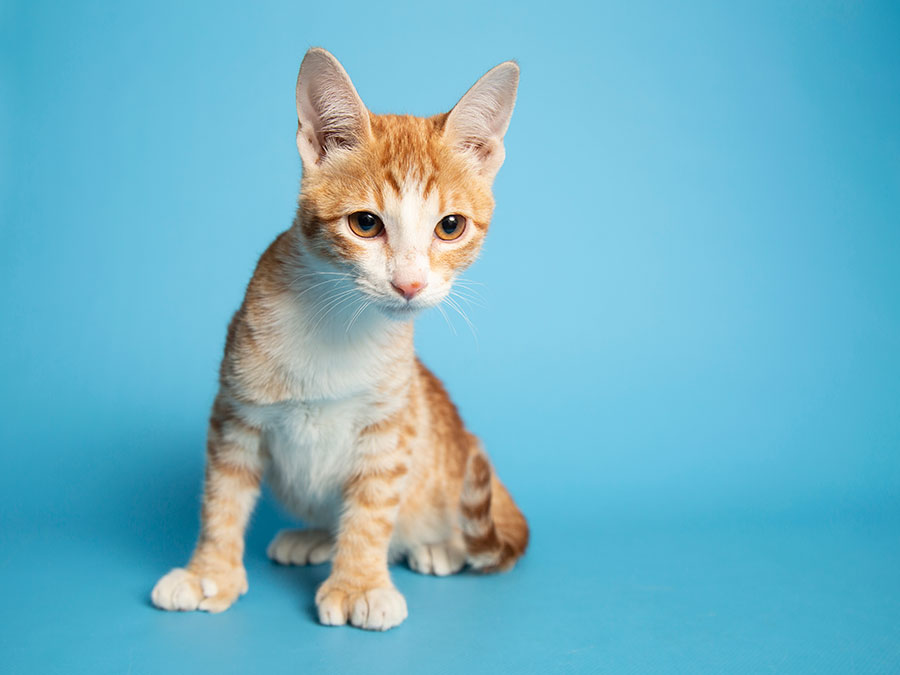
(359, 589)
(215, 577)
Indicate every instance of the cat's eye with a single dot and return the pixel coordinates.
(365, 224)
(451, 227)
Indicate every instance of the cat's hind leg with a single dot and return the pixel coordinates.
(301, 547)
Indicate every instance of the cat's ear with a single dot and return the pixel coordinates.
(330, 112)
(477, 123)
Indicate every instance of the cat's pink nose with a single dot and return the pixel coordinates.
(408, 289)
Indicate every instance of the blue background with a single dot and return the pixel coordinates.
(687, 369)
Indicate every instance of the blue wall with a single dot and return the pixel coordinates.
(691, 285)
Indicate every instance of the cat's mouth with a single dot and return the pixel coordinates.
(401, 312)
(396, 308)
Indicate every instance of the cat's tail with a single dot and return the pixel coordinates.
(495, 531)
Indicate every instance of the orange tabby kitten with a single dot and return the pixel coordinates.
(320, 388)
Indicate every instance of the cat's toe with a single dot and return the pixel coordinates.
(372, 609)
(378, 609)
(182, 590)
(179, 590)
(301, 547)
(332, 604)
(438, 559)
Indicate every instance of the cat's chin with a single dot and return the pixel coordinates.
(401, 312)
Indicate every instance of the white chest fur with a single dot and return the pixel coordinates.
(338, 381)
(312, 451)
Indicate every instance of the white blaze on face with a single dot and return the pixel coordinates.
(409, 221)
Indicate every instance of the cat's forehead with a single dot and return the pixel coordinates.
(405, 159)
(406, 151)
(413, 143)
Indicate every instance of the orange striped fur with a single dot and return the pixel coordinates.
(320, 389)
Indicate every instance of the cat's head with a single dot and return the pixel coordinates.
(399, 204)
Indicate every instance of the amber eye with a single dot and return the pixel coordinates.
(450, 227)
(365, 224)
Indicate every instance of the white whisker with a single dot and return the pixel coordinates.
(447, 319)
(450, 301)
(359, 311)
(468, 282)
(306, 275)
(343, 302)
(309, 288)
(334, 301)
(472, 300)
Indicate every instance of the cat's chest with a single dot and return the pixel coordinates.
(335, 384)
(312, 450)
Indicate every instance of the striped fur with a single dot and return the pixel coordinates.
(320, 390)
(494, 530)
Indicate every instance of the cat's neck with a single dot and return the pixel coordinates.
(320, 344)
(326, 305)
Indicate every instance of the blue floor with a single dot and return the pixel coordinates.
(598, 592)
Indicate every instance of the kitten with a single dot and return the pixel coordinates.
(320, 388)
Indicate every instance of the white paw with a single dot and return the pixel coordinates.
(179, 590)
(438, 559)
(375, 609)
(378, 609)
(301, 547)
(185, 591)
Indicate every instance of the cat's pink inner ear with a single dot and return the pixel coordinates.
(478, 122)
(330, 113)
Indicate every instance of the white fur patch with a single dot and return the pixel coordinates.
(178, 590)
(209, 587)
(301, 547)
(438, 559)
(375, 609)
